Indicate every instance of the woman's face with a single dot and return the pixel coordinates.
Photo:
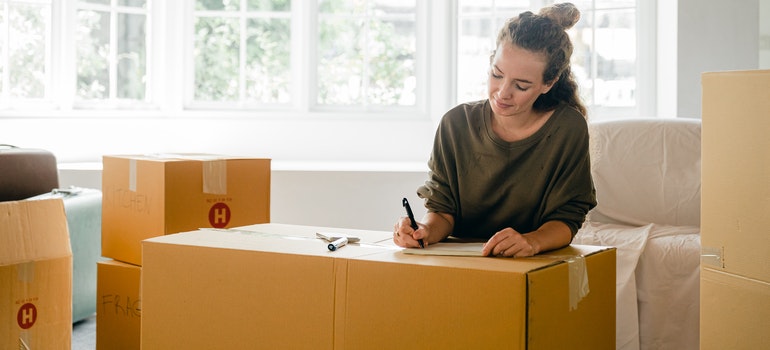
(515, 80)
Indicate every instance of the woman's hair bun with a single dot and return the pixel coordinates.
(564, 14)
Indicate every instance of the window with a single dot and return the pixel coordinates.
(25, 60)
(242, 51)
(111, 50)
(345, 55)
(605, 57)
(604, 60)
(367, 53)
(329, 55)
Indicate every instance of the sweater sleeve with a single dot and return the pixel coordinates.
(437, 190)
(572, 194)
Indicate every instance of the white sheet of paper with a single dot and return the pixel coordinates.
(450, 249)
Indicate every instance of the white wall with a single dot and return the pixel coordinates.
(367, 199)
(86, 139)
(764, 34)
(712, 35)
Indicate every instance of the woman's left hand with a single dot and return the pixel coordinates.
(510, 243)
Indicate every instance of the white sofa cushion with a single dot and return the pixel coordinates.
(646, 171)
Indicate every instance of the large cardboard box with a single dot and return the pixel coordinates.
(735, 206)
(35, 275)
(119, 306)
(148, 196)
(274, 286)
(735, 311)
(735, 219)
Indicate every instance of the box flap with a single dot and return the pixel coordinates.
(33, 230)
(264, 242)
(366, 236)
(519, 265)
(176, 157)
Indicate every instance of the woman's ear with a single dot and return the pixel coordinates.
(547, 87)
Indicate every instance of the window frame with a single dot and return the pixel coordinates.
(112, 102)
(165, 76)
(167, 124)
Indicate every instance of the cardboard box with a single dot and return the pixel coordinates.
(119, 305)
(35, 275)
(735, 189)
(478, 303)
(271, 287)
(735, 311)
(148, 196)
(735, 197)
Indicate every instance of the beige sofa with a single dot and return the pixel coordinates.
(647, 178)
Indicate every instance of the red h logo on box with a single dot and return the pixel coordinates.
(219, 215)
(26, 316)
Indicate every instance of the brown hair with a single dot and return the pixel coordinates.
(545, 33)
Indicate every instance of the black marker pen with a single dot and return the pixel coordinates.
(412, 223)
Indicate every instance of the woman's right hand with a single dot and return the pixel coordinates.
(405, 236)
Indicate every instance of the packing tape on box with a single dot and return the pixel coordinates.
(214, 170)
(132, 175)
(578, 280)
(24, 340)
(712, 256)
(25, 272)
(215, 176)
(578, 276)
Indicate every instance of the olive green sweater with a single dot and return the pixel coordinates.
(489, 184)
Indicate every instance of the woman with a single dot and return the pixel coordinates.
(513, 169)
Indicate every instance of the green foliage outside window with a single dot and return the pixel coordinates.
(365, 56)
(93, 49)
(27, 40)
(217, 64)
(268, 68)
(264, 76)
(94, 53)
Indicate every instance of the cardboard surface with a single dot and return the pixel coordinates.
(279, 288)
(218, 290)
(476, 303)
(735, 266)
(735, 311)
(35, 275)
(735, 191)
(148, 196)
(119, 306)
(367, 237)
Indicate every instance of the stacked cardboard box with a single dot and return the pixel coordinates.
(146, 196)
(118, 305)
(735, 268)
(35, 275)
(275, 286)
